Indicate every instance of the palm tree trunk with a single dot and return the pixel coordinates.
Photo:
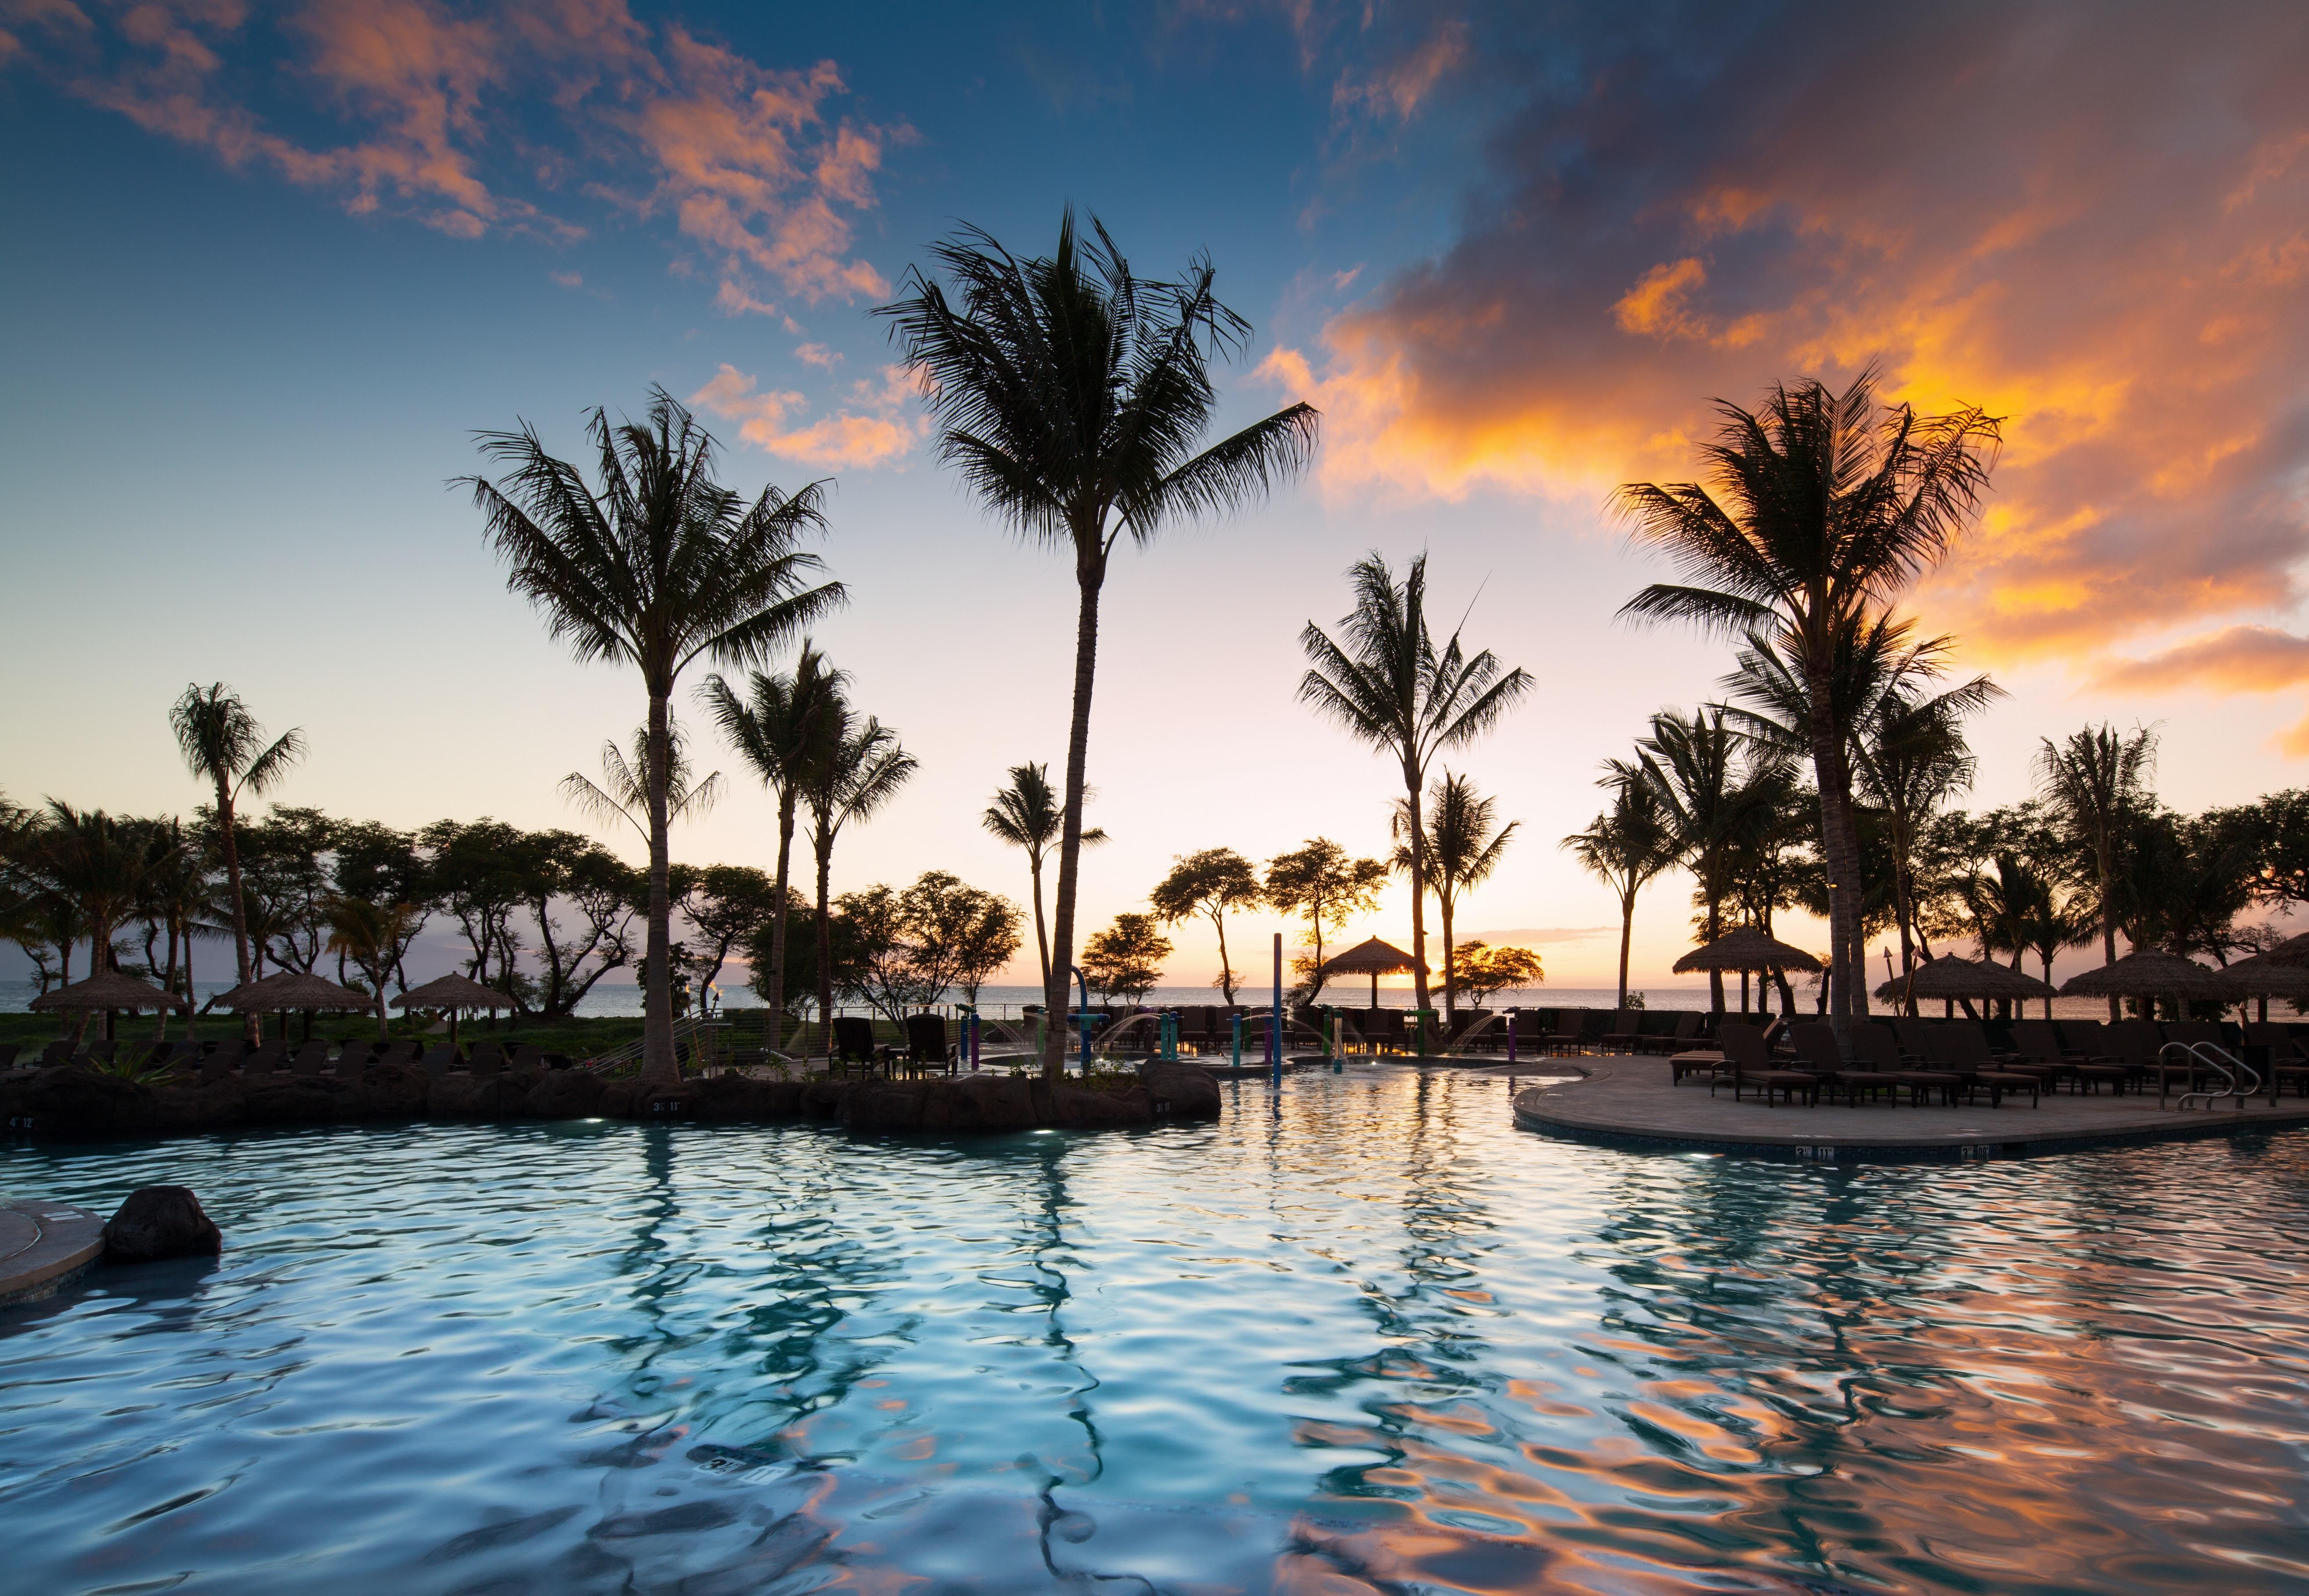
(659, 1065)
(1627, 934)
(251, 1022)
(1450, 969)
(1841, 844)
(2105, 851)
(822, 845)
(1412, 778)
(1042, 929)
(777, 994)
(1090, 571)
(1714, 930)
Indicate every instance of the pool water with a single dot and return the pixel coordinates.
(1360, 1335)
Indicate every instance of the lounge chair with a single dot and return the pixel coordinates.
(1816, 1051)
(1676, 1036)
(1877, 1047)
(311, 1058)
(267, 1058)
(1564, 1036)
(525, 1057)
(8, 1051)
(1623, 1031)
(223, 1060)
(487, 1059)
(2037, 1049)
(1748, 1063)
(1383, 1028)
(398, 1053)
(927, 1047)
(853, 1044)
(439, 1059)
(1961, 1050)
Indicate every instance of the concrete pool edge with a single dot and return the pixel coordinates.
(1556, 1109)
(45, 1246)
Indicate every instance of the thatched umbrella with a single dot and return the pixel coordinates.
(2154, 974)
(2282, 971)
(287, 990)
(1746, 949)
(1374, 958)
(1950, 979)
(110, 990)
(453, 993)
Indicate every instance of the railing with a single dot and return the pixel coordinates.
(684, 1030)
(2224, 1064)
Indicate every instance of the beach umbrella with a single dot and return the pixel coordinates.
(1374, 958)
(1950, 979)
(2154, 974)
(110, 990)
(453, 993)
(2282, 971)
(1746, 949)
(287, 990)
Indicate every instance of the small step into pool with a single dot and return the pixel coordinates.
(1362, 1334)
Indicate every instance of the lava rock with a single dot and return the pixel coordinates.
(566, 1094)
(617, 1099)
(66, 1101)
(1180, 1091)
(1085, 1108)
(159, 1222)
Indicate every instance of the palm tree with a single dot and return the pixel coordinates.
(100, 863)
(1823, 510)
(1463, 850)
(1071, 395)
(656, 567)
(862, 768)
(1028, 815)
(225, 747)
(780, 729)
(2096, 783)
(1209, 881)
(623, 792)
(1717, 789)
(1627, 846)
(1389, 685)
(1907, 749)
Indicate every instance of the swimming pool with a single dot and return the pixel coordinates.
(1362, 1334)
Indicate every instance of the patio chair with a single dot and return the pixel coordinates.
(1961, 1050)
(1677, 1036)
(1817, 1052)
(853, 1044)
(1383, 1028)
(403, 1052)
(354, 1059)
(527, 1056)
(267, 1058)
(439, 1059)
(1623, 1031)
(311, 1058)
(927, 1047)
(1747, 1064)
(486, 1060)
(2037, 1049)
(1564, 1032)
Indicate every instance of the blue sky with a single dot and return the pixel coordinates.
(267, 271)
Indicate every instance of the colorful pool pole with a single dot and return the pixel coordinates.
(1274, 1020)
(1238, 1041)
(969, 1033)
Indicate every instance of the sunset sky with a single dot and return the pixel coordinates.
(268, 268)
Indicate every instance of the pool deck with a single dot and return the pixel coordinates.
(44, 1246)
(1629, 1102)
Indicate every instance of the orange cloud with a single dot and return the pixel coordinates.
(2100, 240)
(2246, 659)
(744, 158)
(845, 440)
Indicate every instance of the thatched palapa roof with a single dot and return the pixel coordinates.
(1746, 949)
(453, 991)
(1371, 957)
(1949, 978)
(110, 990)
(293, 989)
(2283, 971)
(2153, 974)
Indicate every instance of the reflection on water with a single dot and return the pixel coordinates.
(1361, 1336)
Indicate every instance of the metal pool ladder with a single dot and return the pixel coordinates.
(2227, 1064)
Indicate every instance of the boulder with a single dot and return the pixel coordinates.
(731, 1100)
(885, 1104)
(823, 1100)
(462, 1096)
(984, 1103)
(1180, 1091)
(566, 1094)
(66, 1101)
(1086, 1108)
(617, 1099)
(161, 1222)
(394, 1091)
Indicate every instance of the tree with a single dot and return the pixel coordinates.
(1389, 685)
(781, 729)
(1463, 850)
(382, 897)
(863, 768)
(1321, 882)
(1485, 972)
(1823, 510)
(98, 862)
(1626, 845)
(374, 936)
(844, 977)
(1125, 960)
(1209, 882)
(475, 875)
(1026, 814)
(2095, 784)
(1717, 789)
(656, 568)
(728, 906)
(915, 946)
(1071, 395)
(603, 892)
(225, 747)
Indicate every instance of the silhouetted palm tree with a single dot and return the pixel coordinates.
(225, 747)
(1390, 686)
(1822, 508)
(100, 863)
(657, 566)
(1463, 850)
(1028, 815)
(2096, 783)
(862, 768)
(1071, 395)
(1626, 845)
(781, 728)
